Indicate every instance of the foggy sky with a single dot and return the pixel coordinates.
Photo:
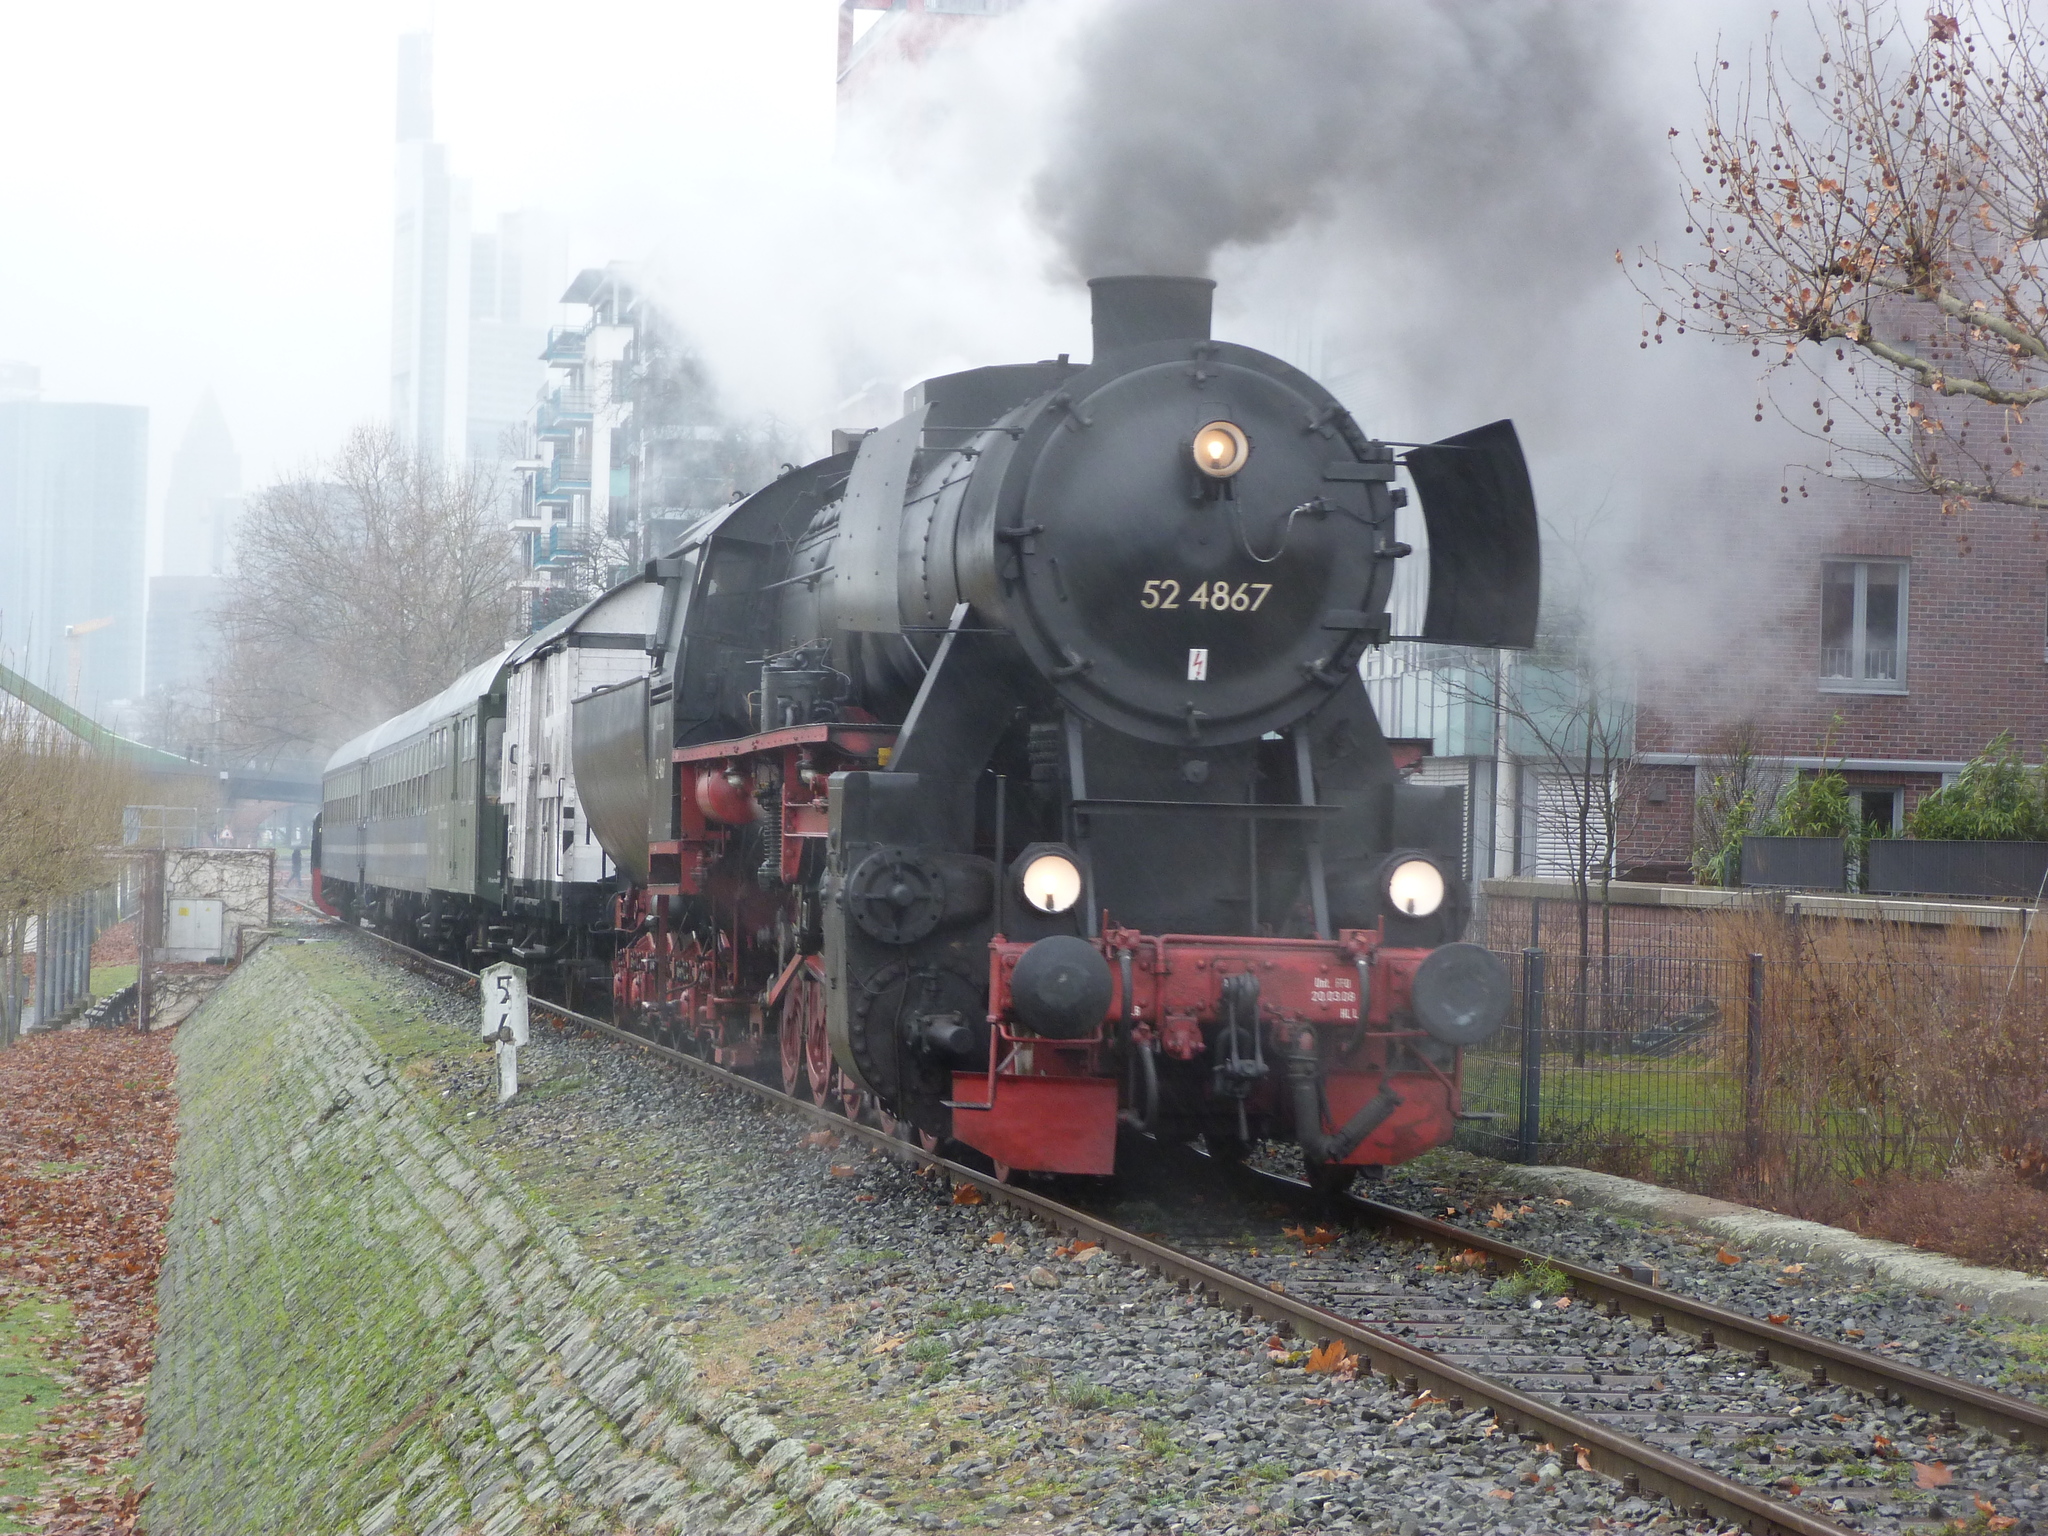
(1419, 202)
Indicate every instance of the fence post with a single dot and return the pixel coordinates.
(1753, 1066)
(1532, 1053)
(148, 928)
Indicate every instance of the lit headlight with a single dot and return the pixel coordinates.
(1051, 880)
(1221, 449)
(1415, 888)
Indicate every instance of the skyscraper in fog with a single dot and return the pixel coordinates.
(516, 277)
(429, 272)
(200, 509)
(72, 485)
(469, 314)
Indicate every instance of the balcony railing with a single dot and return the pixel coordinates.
(562, 412)
(1879, 666)
(564, 346)
(566, 475)
(563, 544)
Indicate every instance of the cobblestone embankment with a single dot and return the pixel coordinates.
(367, 1327)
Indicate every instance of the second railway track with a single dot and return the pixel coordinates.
(1588, 1380)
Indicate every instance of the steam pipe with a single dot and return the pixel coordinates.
(1305, 1080)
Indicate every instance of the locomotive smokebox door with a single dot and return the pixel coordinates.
(1485, 555)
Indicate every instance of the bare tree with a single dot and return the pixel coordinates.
(1740, 786)
(363, 586)
(60, 810)
(1872, 214)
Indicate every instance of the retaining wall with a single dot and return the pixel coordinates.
(368, 1329)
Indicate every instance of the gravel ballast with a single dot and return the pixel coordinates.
(964, 1369)
(967, 1371)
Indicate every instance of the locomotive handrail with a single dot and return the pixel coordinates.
(1211, 807)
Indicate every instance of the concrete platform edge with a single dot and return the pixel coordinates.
(2006, 1292)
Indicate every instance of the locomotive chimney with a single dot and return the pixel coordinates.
(1131, 311)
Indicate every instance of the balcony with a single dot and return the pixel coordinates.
(564, 346)
(560, 480)
(562, 545)
(561, 413)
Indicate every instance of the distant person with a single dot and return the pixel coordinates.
(295, 863)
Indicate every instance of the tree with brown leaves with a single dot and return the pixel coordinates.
(363, 586)
(1875, 214)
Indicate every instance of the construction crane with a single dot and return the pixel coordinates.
(73, 634)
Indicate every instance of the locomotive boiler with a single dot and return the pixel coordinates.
(1010, 774)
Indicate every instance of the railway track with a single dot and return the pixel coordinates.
(1559, 1381)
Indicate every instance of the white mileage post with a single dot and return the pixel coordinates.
(504, 991)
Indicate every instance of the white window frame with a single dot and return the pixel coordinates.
(1858, 626)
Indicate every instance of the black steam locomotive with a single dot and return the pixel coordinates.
(1010, 772)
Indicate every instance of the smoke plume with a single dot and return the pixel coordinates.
(1201, 124)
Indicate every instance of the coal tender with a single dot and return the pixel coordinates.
(1009, 775)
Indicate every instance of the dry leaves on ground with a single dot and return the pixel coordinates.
(87, 1131)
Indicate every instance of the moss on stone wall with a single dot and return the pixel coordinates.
(368, 1328)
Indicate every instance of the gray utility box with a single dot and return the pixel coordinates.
(193, 929)
(1796, 863)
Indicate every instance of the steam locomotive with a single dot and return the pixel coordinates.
(1007, 775)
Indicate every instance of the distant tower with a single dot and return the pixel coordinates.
(429, 272)
(201, 505)
(202, 500)
(72, 483)
(516, 277)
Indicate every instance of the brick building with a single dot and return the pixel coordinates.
(1872, 631)
(1840, 619)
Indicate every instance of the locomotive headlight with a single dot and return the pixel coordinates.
(1050, 878)
(1415, 887)
(1221, 449)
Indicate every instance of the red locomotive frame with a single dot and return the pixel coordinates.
(752, 994)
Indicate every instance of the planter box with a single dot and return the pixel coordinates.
(1908, 866)
(1795, 863)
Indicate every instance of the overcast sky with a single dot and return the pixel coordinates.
(201, 195)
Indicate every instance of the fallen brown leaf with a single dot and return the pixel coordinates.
(1585, 1461)
(843, 1170)
(1329, 1357)
(1778, 1317)
(1725, 1257)
(1931, 1474)
(1505, 1495)
(966, 1194)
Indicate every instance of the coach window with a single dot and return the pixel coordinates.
(1863, 626)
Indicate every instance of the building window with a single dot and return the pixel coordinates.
(1863, 626)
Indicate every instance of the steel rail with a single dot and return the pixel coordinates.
(1692, 1489)
(1766, 1343)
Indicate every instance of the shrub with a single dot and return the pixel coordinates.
(1996, 796)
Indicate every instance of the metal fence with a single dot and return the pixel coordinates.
(1707, 1071)
(1617, 1059)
